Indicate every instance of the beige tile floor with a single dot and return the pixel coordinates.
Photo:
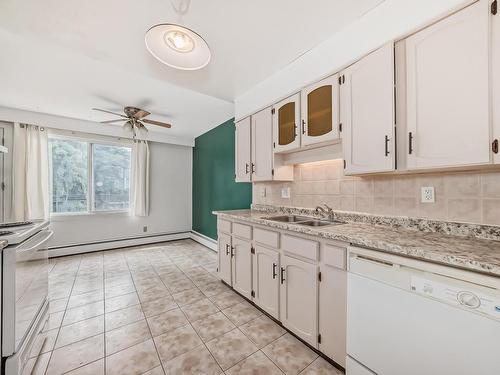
(159, 310)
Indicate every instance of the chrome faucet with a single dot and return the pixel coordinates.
(326, 212)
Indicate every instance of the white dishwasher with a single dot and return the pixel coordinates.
(409, 317)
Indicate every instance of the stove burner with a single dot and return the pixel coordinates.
(15, 224)
(5, 232)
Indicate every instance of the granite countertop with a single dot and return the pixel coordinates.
(3, 244)
(474, 254)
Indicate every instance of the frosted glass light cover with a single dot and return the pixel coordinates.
(177, 47)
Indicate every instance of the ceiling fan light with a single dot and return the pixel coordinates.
(177, 47)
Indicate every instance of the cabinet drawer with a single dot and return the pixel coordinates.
(334, 256)
(224, 226)
(266, 237)
(242, 230)
(300, 246)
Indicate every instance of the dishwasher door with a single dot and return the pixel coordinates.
(393, 328)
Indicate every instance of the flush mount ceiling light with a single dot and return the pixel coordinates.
(177, 46)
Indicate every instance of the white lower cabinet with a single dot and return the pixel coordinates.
(225, 257)
(298, 280)
(333, 303)
(299, 298)
(266, 282)
(242, 266)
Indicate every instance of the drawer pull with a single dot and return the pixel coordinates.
(282, 275)
(274, 270)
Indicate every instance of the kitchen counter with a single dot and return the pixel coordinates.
(474, 254)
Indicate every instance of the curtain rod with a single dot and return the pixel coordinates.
(22, 126)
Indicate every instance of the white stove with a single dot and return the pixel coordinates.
(24, 266)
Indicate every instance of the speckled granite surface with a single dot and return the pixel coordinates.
(3, 244)
(475, 254)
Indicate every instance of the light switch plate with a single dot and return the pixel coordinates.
(427, 193)
(285, 192)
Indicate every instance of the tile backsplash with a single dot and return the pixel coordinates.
(472, 197)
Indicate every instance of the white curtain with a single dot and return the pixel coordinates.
(140, 170)
(30, 182)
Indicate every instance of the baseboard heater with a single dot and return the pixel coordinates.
(88, 247)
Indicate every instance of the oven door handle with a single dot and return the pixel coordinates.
(47, 235)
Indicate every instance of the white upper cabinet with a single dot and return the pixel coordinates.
(262, 146)
(367, 113)
(286, 121)
(495, 78)
(320, 111)
(447, 91)
(243, 151)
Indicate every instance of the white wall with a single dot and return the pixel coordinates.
(389, 21)
(170, 204)
(170, 191)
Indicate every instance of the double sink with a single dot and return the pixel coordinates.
(304, 220)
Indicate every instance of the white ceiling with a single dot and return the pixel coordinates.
(65, 57)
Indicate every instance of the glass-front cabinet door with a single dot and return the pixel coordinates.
(320, 111)
(286, 118)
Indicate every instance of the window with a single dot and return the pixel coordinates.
(88, 177)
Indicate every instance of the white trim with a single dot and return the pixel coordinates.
(204, 240)
(109, 245)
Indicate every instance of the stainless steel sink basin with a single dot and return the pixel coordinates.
(304, 220)
(288, 218)
(318, 223)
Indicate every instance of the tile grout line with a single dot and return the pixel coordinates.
(64, 315)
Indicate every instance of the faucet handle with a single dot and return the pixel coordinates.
(328, 207)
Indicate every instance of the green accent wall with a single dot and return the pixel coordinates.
(213, 179)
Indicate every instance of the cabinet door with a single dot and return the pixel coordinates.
(225, 258)
(242, 267)
(266, 280)
(447, 91)
(320, 111)
(299, 298)
(333, 303)
(262, 146)
(367, 113)
(495, 77)
(243, 151)
(286, 119)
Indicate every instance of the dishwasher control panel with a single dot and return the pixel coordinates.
(468, 296)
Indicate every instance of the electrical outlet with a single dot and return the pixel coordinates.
(427, 193)
(285, 192)
(263, 192)
(145, 228)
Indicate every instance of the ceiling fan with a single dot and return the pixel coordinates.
(134, 118)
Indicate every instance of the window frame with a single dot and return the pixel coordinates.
(90, 175)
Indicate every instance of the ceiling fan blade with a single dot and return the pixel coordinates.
(141, 113)
(112, 121)
(113, 113)
(158, 123)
